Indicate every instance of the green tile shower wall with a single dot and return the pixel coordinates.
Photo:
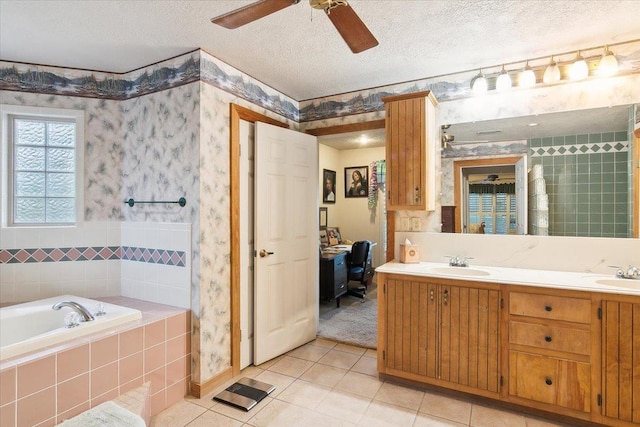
(588, 187)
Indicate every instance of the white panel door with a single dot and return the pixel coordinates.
(286, 241)
(522, 195)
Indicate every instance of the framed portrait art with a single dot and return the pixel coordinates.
(356, 181)
(328, 186)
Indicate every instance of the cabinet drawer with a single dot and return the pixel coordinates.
(340, 288)
(549, 380)
(550, 337)
(550, 307)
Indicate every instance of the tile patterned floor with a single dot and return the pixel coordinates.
(327, 384)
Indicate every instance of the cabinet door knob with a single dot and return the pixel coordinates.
(417, 194)
(446, 297)
(548, 381)
(548, 308)
(547, 338)
(431, 295)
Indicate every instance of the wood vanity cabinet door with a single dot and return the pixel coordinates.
(621, 360)
(411, 325)
(469, 336)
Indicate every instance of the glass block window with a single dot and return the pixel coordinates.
(43, 173)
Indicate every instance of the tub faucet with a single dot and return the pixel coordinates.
(78, 308)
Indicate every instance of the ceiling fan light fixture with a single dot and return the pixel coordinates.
(608, 64)
(579, 69)
(479, 84)
(503, 82)
(552, 72)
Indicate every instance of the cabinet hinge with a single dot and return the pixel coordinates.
(384, 288)
(600, 313)
(384, 355)
(501, 302)
(599, 400)
(501, 381)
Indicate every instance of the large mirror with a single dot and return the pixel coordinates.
(580, 173)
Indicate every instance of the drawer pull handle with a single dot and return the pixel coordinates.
(548, 381)
(547, 338)
(548, 307)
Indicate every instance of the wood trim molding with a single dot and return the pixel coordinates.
(457, 184)
(635, 230)
(391, 235)
(238, 113)
(403, 96)
(199, 390)
(351, 127)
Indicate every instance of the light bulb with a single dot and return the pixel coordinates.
(552, 73)
(608, 63)
(579, 69)
(479, 84)
(504, 81)
(527, 77)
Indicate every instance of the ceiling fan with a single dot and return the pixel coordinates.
(354, 32)
(491, 179)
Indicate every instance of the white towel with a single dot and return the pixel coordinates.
(107, 414)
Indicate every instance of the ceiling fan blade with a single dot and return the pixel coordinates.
(252, 12)
(352, 29)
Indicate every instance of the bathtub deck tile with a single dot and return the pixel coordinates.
(8, 385)
(37, 408)
(131, 341)
(72, 393)
(104, 351)
(73, 362)
(36, 376)
(8, 415)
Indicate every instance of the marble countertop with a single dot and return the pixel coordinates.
(579, 281)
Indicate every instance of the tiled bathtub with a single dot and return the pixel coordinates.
(49, 386)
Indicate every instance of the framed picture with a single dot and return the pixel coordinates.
(324, 241)
(356, 181)
(333, 235)
(323, 218)
(328, 186)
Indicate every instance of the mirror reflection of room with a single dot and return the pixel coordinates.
(579, 175)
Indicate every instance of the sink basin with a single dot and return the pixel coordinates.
(459, 271)
(620, 283)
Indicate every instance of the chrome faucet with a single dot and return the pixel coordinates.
(456, 261)
(631, 273)
(78, 308)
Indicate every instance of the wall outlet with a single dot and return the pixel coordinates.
(415, 224)
(404, 224)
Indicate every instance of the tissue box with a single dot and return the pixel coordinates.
(409, 253)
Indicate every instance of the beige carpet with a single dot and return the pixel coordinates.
(354, 322)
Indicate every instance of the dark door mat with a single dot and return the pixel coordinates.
(245, 393)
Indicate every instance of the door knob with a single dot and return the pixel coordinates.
(264, 253)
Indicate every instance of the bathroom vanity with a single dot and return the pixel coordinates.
(560, 342)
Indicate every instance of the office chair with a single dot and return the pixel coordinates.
(357, 268)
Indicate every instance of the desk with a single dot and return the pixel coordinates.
(333, 271)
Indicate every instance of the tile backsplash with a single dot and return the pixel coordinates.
(95, 259)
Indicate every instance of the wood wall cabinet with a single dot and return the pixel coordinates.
(411, 138)
(435, 332)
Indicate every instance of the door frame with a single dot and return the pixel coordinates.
(458, 165)
(238, 113)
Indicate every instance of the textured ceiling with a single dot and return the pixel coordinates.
(298, 51)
